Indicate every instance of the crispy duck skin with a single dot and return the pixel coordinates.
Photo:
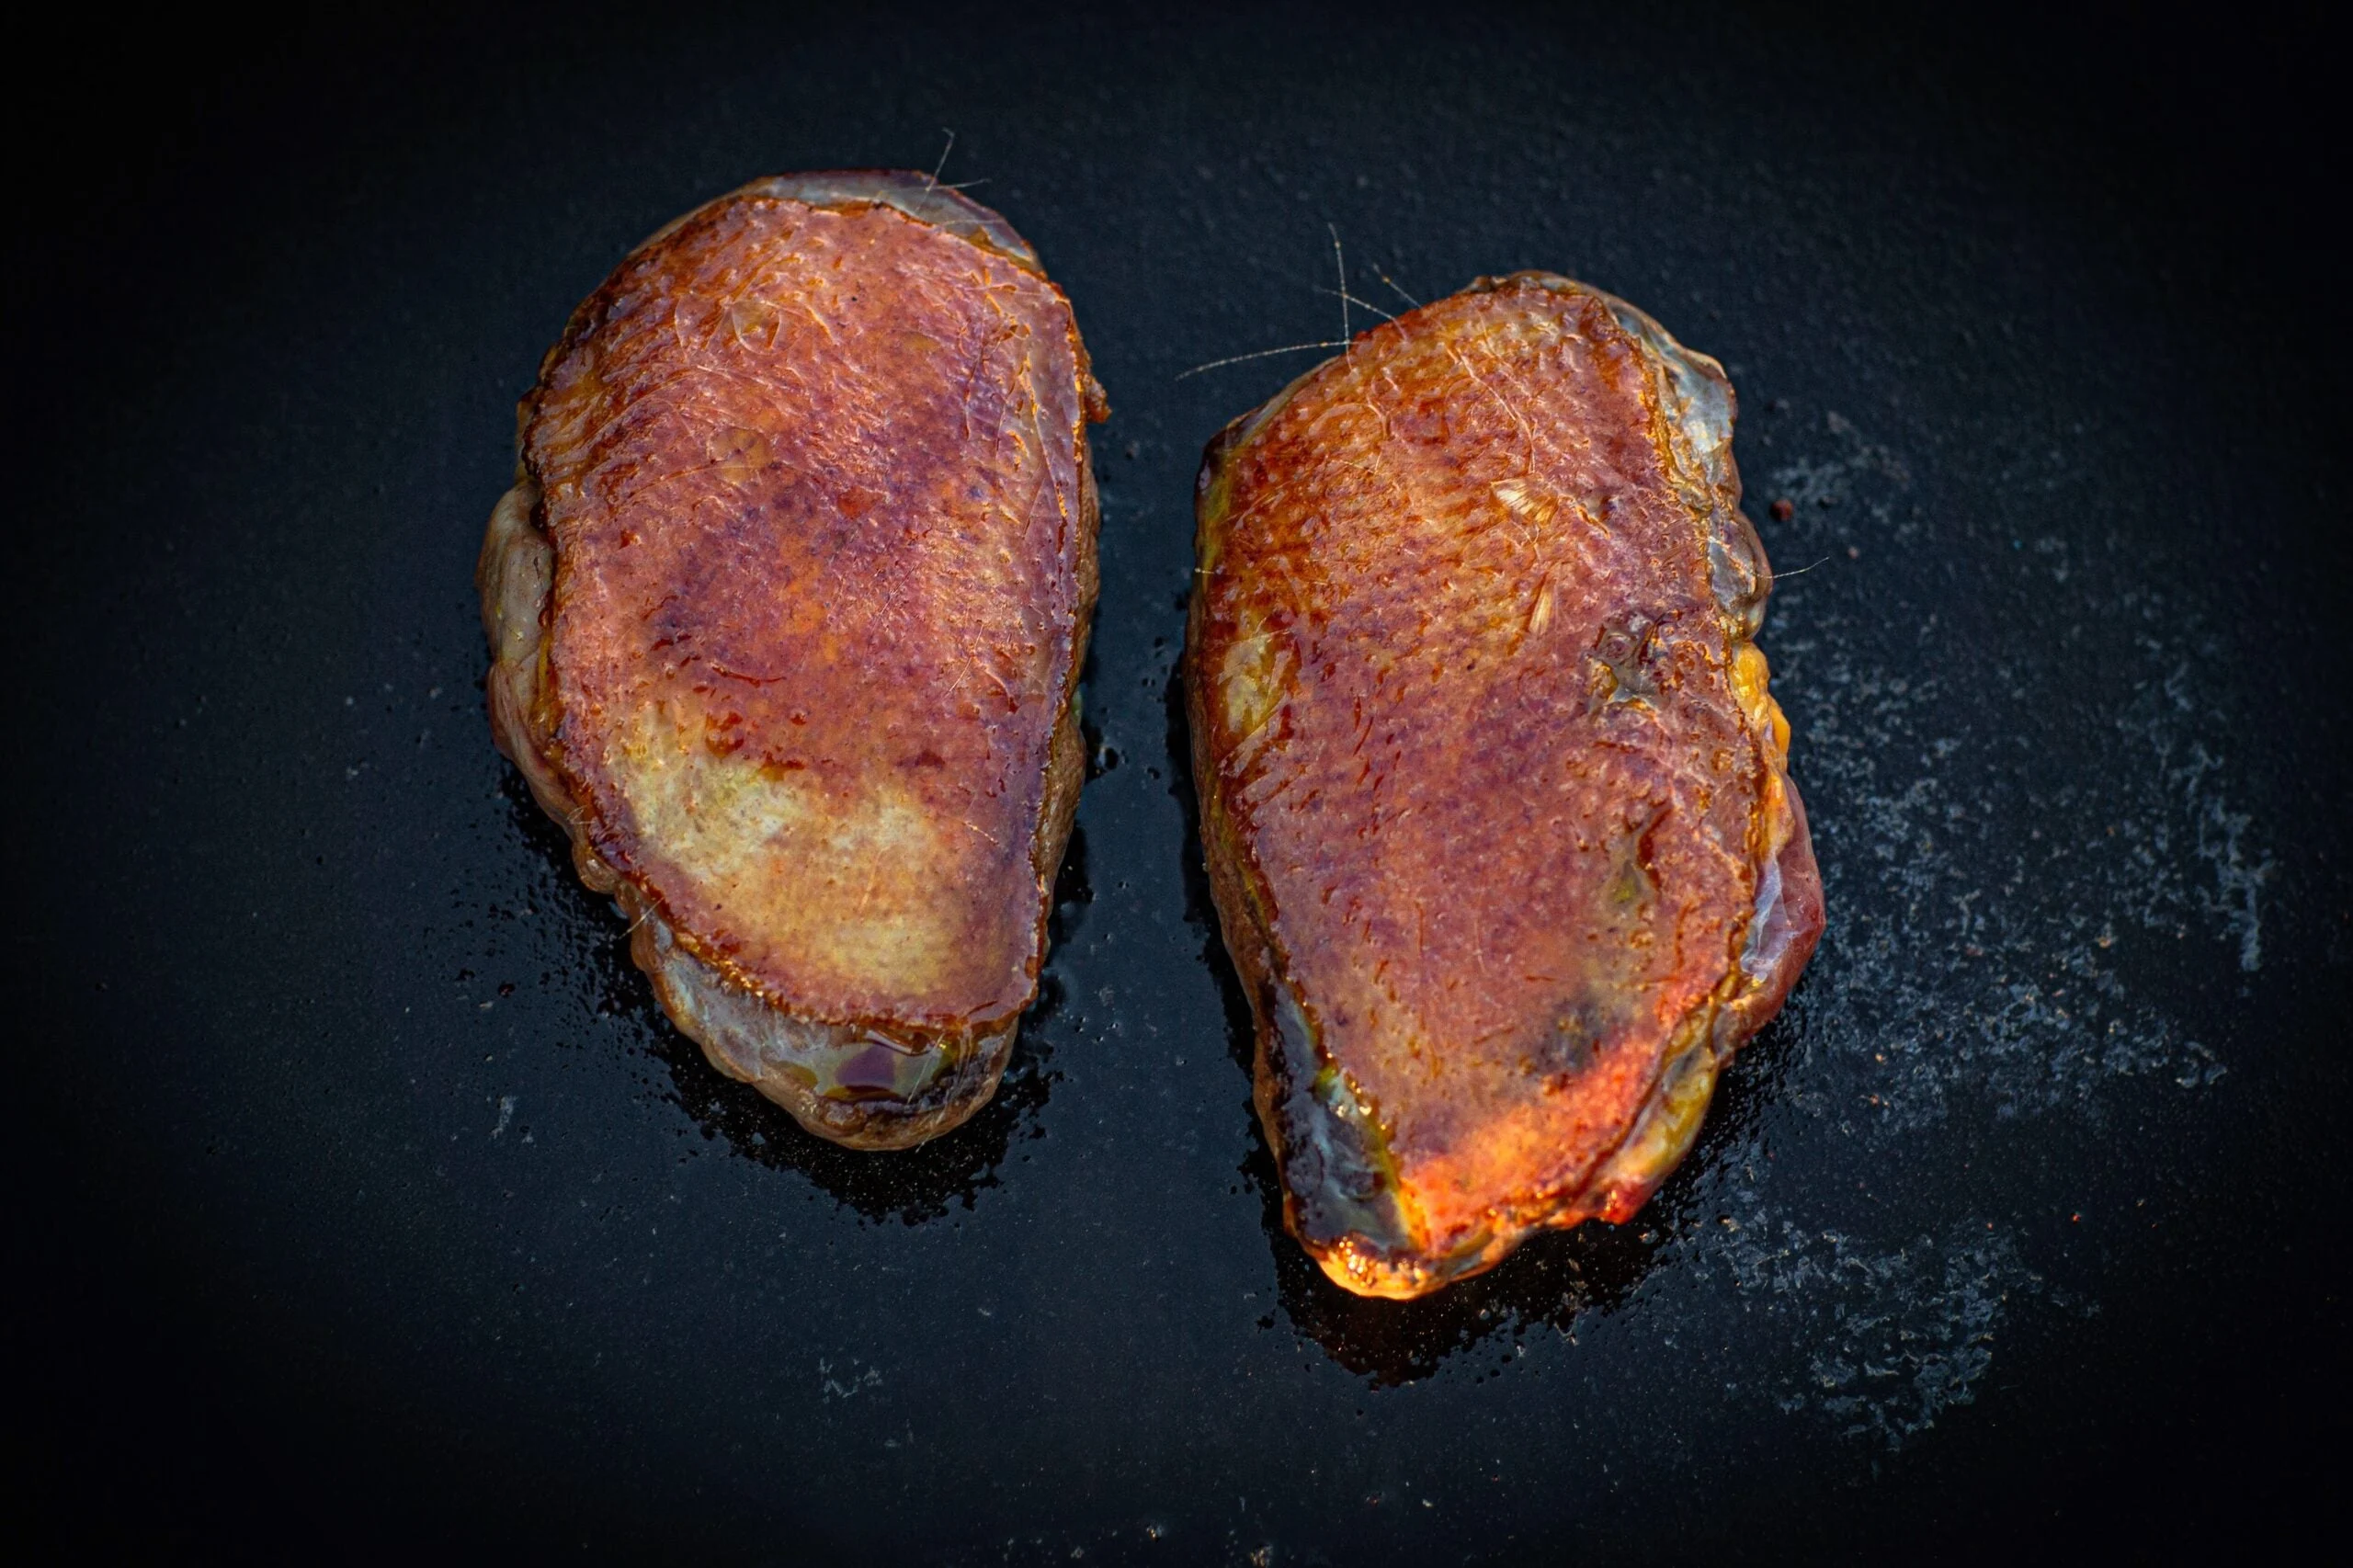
(1495, 803)
(787, 609)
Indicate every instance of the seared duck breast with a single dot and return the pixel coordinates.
(1495, 801)
(786, 608)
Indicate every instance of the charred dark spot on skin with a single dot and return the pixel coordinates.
(1575, 1042)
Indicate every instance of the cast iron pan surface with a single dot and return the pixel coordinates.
(366, 1202)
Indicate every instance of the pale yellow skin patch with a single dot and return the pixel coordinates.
(837, 883)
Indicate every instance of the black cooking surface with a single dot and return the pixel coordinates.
(367, 1201)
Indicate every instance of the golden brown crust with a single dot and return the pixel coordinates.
(1495, 803)
(787, 610)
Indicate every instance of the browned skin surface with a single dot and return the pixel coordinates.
(814, 475)
(1490, 780)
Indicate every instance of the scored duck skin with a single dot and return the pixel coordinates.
(1495, 800)
(786, 608)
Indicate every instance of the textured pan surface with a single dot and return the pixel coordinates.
(786, 608)
(1495, 800)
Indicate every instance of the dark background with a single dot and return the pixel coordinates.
(363, 1204)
